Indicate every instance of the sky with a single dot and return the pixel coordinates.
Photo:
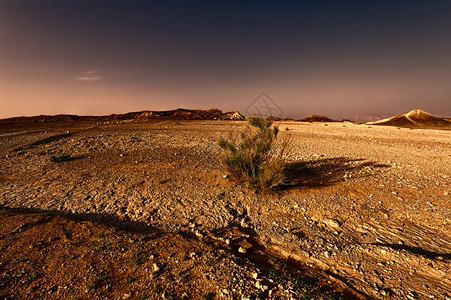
(360, 60)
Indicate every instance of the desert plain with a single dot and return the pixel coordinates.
(146, 210)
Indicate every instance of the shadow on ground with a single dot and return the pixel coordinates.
(108, 220)
(273, 266)
(44, 141)
(417, 251)
(325, 172)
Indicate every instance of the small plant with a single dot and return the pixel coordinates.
(275, 275)
(95, 282)
(209, 296)
(220, 196)
(92, 285)
(132, 279)
(138, 258)
(60, 158)
(299, 284)
(253, 158)
(186, 278)
(33, 277)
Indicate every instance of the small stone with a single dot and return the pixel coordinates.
(225, 176)
(332, 224)
(257, 284)
(241, 250)
(156, 268)
(255, 275)
(227, 241)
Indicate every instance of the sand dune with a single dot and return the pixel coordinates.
(414, 119)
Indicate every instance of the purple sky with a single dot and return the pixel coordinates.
(352, 59)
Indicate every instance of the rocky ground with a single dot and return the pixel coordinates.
(368, 214)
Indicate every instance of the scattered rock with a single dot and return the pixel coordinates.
(332, 224)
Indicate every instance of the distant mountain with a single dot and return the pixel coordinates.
(414, 119)
(316, 118)
(178, 114)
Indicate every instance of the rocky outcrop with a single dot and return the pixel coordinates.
(178, 114)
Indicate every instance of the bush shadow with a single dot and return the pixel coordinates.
(325, 172)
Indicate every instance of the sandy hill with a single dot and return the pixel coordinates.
(179, 114)
(316, 118)
(416, 119)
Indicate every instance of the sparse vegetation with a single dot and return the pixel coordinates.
(138, 258)
(209, 296)
(132, 279)
(95, 282)
(252, 158)
(220, 196)
(60, 158)
(33, 277)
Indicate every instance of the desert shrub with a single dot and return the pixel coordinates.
(59, 158)
(253, 158)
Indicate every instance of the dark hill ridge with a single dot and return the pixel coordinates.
(316, 118)
(414, 119)
(180, 114)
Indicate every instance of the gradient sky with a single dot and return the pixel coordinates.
(343, 59)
